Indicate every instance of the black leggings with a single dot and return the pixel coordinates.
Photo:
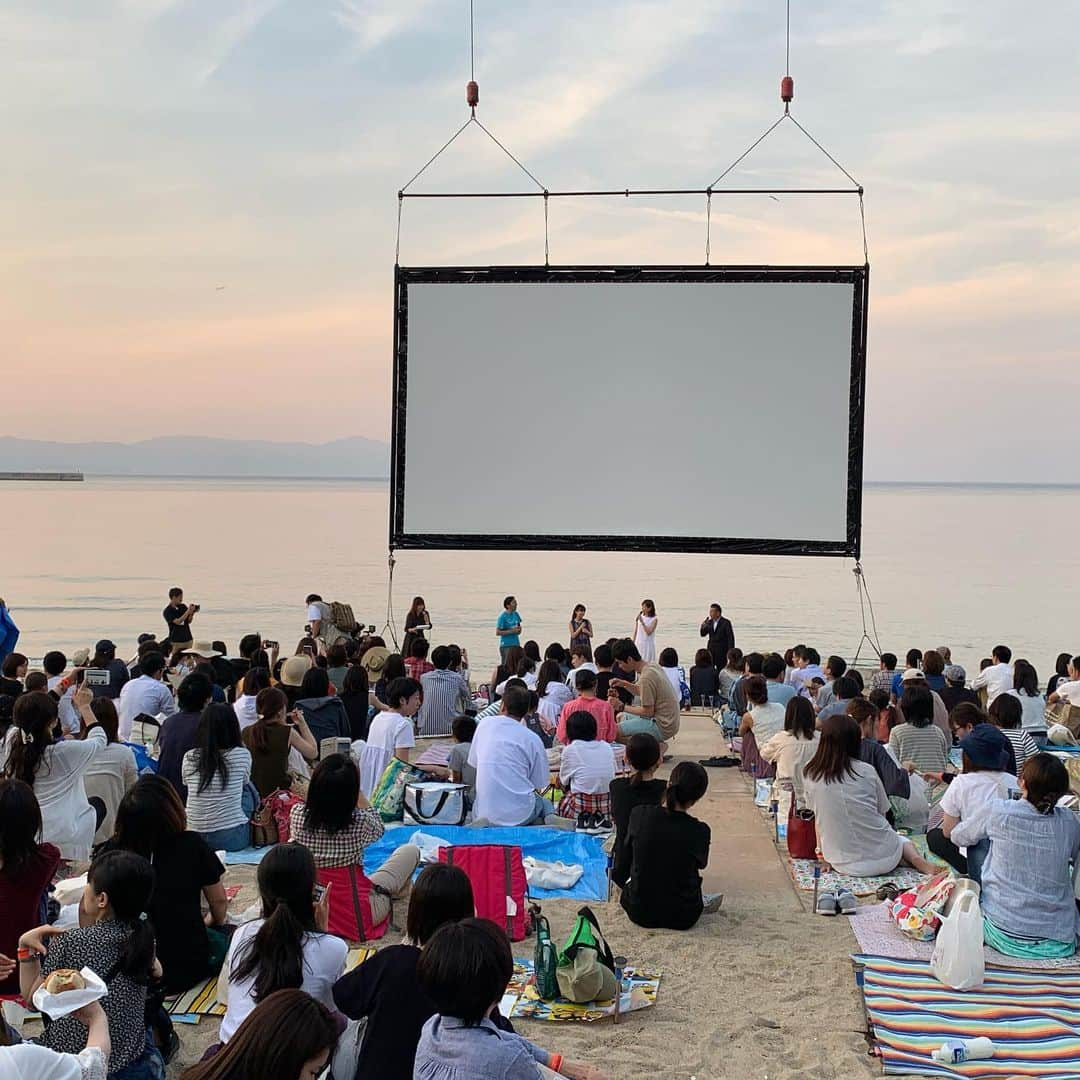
(945, 849)
(99, 810)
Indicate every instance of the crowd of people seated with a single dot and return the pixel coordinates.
(856, 757)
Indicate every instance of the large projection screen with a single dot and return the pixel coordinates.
(619, 408)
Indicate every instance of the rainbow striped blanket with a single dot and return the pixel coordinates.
(1033, 1019)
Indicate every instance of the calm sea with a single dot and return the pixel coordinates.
(965, 566)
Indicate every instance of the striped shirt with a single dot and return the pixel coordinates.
(446, 695)
(220, 805)
(1023, 745)
(926, 746)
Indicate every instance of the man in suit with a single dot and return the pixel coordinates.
(721, 636)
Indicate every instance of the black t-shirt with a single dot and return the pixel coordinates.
(11, 687)
(667, 850)
(624, 797)
(704, 681)
(177, 634)
(953, 695)
(603, 679)
(387, 991)
(183, 866)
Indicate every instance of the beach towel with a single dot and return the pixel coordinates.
(522, 1002)
(878, 935)
(1032, 1018)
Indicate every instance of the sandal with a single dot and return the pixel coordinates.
(889, 891)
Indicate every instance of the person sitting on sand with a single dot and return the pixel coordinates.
(762, 720)
(1007, 713)
(639, 789)
(391, 733)
(790, 750)
(663, 855)
(850, 804)
(986, 751)
(586, 770)
(587, 701)
(917, 741)
(464, 971)
(894, 779)
(1028, 903)
(658, 713)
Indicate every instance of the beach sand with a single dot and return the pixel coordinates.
(762, 989)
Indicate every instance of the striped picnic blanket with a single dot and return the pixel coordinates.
(1033, 1019)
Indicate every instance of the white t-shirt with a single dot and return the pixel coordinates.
(246, 713)
(511, 767)
(324, 964)
(1068, 691)
(109, 776)
(389, 731)
(143, 695)
(588, 767)
(27, 1061)
(971, 795)
(315, 612)
(571, 679)
(67, 819)
(550, 707)
(220, 805)
(996, 679)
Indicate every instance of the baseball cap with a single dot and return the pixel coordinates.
(955, 673)
(105, 646)
(913, 675)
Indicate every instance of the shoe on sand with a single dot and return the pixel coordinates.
(846, 902)
(827, 904)
(712, 903)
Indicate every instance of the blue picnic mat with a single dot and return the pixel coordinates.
(550, 845)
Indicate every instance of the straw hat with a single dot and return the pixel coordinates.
(204, 649)
(374, 660)
(80, 658)
(294, 669)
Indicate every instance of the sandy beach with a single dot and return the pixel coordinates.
(762, 989)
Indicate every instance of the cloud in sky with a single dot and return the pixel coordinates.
(160, 148)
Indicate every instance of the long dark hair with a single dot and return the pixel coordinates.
(104, 710)
(20, 823)
(514, 655)
(34, 715)
(332, 794)
(149, 814)
(218, 732)
(128, 881)
(837, 751)
(268, 704)
(316, 683)
(256, 679)
(688, 782)
(275, 954)
(799, 718)
(550, 672)
(258, 1048)
(1025, 678)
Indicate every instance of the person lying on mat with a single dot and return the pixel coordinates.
(850, 804)
(793, 747)
(663, 855)
(386, 990)
(639, 789)
(465, 969)
(1028, 901)
(983, 781)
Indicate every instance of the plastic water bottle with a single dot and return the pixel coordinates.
(956, 1051)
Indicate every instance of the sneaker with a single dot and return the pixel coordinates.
(827, 904)
(846, 902)
(583, 821)
(712, 903)
(603, 824)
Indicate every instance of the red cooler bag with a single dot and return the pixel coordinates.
(498, 881)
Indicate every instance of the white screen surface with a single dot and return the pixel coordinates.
(640, 409)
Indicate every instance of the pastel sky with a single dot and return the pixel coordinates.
(156, 150)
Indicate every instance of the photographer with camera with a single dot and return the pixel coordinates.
(178, 616)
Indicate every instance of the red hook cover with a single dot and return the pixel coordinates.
(472, 94)
(787, 89)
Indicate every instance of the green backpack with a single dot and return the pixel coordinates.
(586, 970)
(545, 958)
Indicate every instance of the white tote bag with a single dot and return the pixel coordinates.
(435, 802)
(958, 959)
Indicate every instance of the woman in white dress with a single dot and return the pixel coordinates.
(645, 631)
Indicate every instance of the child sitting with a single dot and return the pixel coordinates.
(458, 770)
(116, 941)
(465, 969)
(585, 773)
(971, 795)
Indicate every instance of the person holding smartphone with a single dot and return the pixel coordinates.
(178, 616)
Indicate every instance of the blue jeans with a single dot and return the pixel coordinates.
(235, 838)
(149, 1067)
(976, 856)
(541, 809)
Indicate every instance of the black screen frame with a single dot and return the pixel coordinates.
(856, 276)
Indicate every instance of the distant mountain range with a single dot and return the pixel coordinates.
(183, 455)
